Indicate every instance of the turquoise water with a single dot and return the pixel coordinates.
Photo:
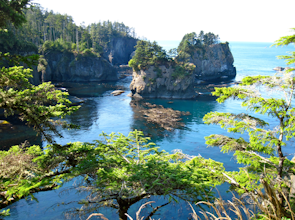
(103, 112)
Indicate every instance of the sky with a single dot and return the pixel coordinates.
(232, 20)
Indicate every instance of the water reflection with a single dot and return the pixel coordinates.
(86, 116)
(13, 132)
(91, 89)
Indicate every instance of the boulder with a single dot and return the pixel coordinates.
(278, 68)
(117, 92)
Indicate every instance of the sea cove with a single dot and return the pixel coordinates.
(102, 111)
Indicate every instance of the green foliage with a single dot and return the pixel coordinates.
(183, 70)
(152, 81)
(267, 166)
(148, 54)
(173, 52)
(190, 42)
(57, 45)
(25, 170)
(20, 176)
(158, 71)
(42, 64)
(10, 42)
(5, 212)
(118, 170)
(89, 53)
(35, 104)
(12, 11)
(262, 152)
(284, 41)
(48, 31)
(130, 168)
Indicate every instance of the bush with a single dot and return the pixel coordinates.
(183, 70)
(148, 54)
(88, 53)
(57, 45)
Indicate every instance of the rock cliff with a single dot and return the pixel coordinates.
(120, 50)
(156, 75)
(160, 83)
(213, 62)
(67, 67)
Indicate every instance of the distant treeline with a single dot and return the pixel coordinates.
(46, 30)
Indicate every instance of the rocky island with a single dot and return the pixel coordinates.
(150, 84)
(157, 74)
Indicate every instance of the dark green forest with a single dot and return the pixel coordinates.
(46, 30)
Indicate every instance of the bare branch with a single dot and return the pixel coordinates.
(97, 214)
(142, 207)
(155, 210)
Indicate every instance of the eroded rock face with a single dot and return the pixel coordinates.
(120, 50)
(150, 84)
(66, 67)
(213, 62)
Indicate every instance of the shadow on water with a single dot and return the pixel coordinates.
(86, 116)
(13, 131)
(91, 89)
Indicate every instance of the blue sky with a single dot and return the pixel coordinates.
(232, 20)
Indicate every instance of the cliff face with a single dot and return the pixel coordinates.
(213, 62)
(151, 83)
(120, 50)
(66, 67)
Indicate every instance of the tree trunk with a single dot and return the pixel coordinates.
(123, 208)
(77, 39)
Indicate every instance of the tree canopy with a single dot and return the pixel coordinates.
(12, 11)
(46, 30)
(37, 106)
(148, 54)
(191, 41)
(129, 168)
(266, 165)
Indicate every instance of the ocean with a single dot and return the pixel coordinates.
(102, 111)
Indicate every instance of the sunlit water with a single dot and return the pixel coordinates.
(103, 112)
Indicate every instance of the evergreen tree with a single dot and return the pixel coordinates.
(266, 165)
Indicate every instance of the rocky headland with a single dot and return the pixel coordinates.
(214, 62)
(160, 82)
(70, 67)
(86, 67)
(157, 75)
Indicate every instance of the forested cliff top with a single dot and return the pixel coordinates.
(48, 30)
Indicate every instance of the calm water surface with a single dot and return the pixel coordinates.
(103, 112)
